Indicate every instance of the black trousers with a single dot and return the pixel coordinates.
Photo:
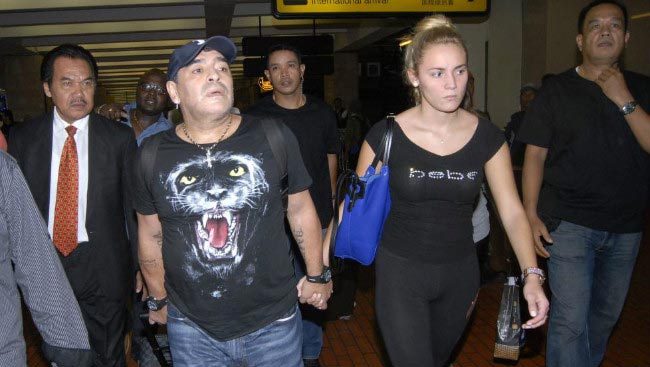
(422, 309)
(105, 318)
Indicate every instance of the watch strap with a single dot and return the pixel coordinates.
(323, 278)
(156, 303)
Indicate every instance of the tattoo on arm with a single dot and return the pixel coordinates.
(159, 238)
(155, 262)
(299, 236)
(149, 262)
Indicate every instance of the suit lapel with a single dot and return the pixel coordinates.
(40, 160)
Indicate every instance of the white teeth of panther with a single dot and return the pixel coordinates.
(202, 233)
(204, 219)
(206, 216)
(226, 251)
(228, 216)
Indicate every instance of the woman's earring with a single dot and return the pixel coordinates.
(416, 84)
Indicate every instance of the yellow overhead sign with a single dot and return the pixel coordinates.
(329, 8)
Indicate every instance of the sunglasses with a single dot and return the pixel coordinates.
(148, 87)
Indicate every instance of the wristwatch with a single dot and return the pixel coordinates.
(154, 304)
(323, 278)
(537, 271)
(629, 107)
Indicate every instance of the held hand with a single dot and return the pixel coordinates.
(158, 317)
(537, 302)
(539, 231)
(612, 82)
(317, 300)
(140, 285)
(316, 294)
(299, 286)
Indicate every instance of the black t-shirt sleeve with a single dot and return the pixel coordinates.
(299, 179)
(491, 137)
(375, 134)
(537, 127)
(143, 201)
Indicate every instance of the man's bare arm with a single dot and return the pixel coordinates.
(332, 163)
(532, 177)
(151, 261)
(306, 230)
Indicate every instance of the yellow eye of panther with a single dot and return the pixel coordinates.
(238, 171)
(188, 180)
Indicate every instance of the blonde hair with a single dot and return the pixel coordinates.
(434, 29)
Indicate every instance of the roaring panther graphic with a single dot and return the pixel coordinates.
(227, 200)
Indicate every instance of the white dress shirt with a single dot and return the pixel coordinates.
(59, 134)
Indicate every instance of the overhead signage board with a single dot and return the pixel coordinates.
(372, 8)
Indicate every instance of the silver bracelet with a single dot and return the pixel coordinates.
(537, 271)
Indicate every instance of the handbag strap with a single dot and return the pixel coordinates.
(349, 177)
(386, 142)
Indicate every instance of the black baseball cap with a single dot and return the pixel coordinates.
(186, 53)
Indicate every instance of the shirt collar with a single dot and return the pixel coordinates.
(59, 124)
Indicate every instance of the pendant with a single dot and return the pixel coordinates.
(208, 158)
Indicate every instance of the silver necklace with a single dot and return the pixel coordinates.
(444, 137)
(208, 151)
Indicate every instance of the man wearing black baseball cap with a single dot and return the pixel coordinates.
(208, 197)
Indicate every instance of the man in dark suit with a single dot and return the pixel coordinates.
(77, 166)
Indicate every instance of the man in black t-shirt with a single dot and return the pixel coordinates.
(314, 124)
(585, 185)
(212, 244)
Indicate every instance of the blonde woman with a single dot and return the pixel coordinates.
(427, 271)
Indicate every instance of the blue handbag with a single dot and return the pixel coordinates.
(366, 206)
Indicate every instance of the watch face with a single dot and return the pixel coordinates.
(629, 107)
(327, 275)
(156, 304)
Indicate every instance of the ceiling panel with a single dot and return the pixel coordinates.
(128, 37)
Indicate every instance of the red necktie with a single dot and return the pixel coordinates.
(66, 211)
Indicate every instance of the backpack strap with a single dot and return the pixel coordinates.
(276, 141)
(148, 157)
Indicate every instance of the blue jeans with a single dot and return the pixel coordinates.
(312, 318)
(589, 276)
(277, 344)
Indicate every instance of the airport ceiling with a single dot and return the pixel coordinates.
(130, 36)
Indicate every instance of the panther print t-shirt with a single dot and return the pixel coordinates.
(433, 196)
(227, 260)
